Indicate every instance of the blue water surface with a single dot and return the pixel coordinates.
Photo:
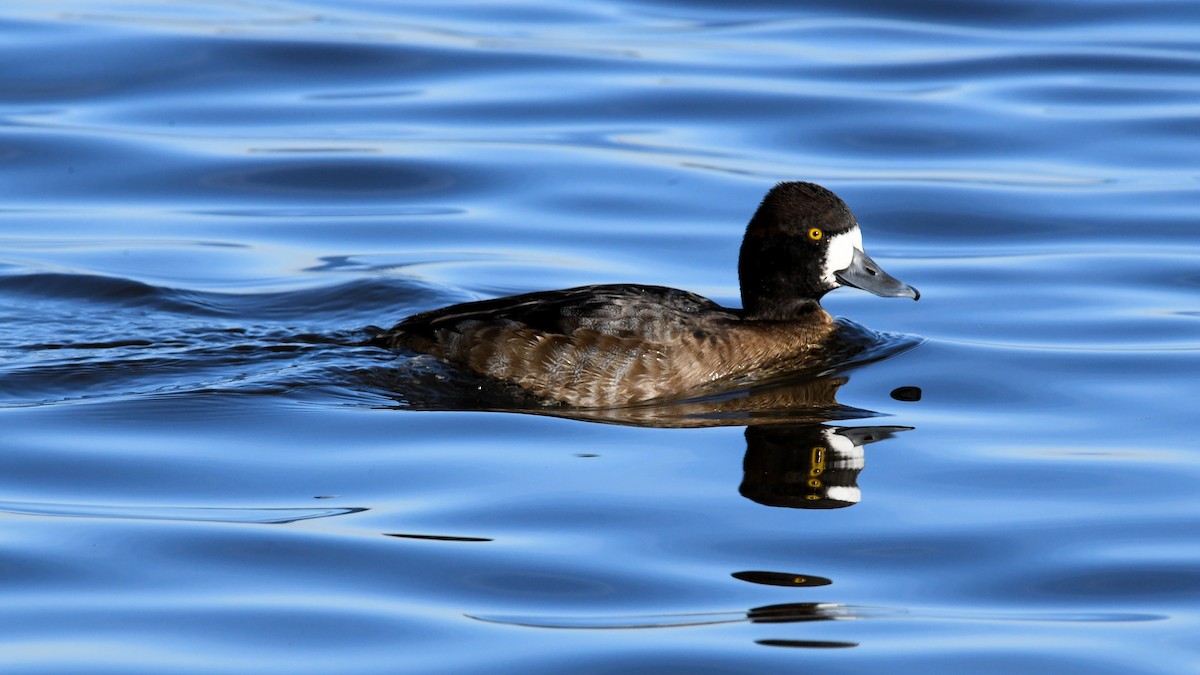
(206, 205)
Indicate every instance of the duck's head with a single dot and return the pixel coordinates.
(802, 243)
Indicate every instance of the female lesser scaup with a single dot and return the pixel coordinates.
(618, 344)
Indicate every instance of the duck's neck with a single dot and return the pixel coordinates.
(797, 309)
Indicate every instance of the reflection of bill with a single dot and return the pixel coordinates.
(807, 466)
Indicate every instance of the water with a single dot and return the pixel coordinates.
(205, 205)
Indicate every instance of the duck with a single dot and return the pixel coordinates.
(615, 345)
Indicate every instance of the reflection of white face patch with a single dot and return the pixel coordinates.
(846, 455)
(840, 253)
(844, 493)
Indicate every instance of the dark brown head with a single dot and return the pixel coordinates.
(802, 243)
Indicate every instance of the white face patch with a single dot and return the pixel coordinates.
(840, 253)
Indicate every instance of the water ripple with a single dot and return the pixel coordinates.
(207, 204)
(268, 516)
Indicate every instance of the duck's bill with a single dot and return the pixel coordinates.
(866, 274)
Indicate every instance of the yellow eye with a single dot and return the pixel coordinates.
(815, 234)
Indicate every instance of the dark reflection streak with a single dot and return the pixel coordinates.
(782, 579)
(798, 613)
(114, 344)
(436, 537)
(817, 644)
(786, 613)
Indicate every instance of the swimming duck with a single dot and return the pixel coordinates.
(619, 344)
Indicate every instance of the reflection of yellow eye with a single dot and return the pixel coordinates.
(815, 234)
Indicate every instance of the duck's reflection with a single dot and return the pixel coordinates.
(807, 466)
(793, 457)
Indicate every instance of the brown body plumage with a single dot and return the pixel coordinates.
(615, 345)
(605, 346)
